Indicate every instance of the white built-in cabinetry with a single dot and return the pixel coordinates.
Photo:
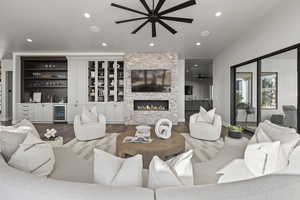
(36, 112)
(81, 93)
(78, 92)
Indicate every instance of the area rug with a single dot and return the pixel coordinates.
(204, 150)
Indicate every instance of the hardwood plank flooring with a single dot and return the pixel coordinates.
(67, 130)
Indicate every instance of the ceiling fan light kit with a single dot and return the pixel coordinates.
(155, 15)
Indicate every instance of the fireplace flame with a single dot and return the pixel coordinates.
(151, 108)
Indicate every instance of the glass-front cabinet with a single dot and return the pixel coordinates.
(105, 81)
(92, 81)
(101, 81)
(120, 81)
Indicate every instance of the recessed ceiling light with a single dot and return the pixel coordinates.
(196, 65)
(218, 14)
(87, 15)
(205, 33)
(29, 40)
(151, 44)
(94, 29)
(198, 43)
(104, 44)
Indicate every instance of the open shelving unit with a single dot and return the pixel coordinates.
(106, 81)
(45, 75)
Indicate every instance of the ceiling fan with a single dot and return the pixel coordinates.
(154, 15)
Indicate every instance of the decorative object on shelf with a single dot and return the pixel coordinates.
(163, 128)
(154, 15)
(37, 97)
(235, 132)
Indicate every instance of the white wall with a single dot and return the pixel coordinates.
(278, 29)
(6, 65)
(181, 84)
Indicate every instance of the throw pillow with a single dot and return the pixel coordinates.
(235, 171)
(26, 124)
(9, 143)
(270, 132)
(94, 111)
(34, 156)
(265, 158)
(87, 116)
(175, 172)
(206, 116)
(114, 171)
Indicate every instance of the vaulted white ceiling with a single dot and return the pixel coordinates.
(59, 25)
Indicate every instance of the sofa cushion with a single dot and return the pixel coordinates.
(34, 156)
(9, 143)
(114, 171)
(28, 124)
(272, 187)
(69, 167)
(205, 172)
(20, 185)
(235, 171)
(268, 131)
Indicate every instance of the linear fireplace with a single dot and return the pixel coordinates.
(151, 105)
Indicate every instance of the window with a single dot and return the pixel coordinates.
(244, 88)
(269, 90)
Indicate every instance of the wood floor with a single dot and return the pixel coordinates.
(67, 130)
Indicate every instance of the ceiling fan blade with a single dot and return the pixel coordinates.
(179, 7)
(130, 20)
(169, 28)
(153, 29)
(145, 5)
(159, 5)
(141, 26)
(128, 9)
(178, 19)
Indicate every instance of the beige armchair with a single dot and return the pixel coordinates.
(89, 131)
(206, 131)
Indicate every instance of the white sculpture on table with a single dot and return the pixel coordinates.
(50, 133)
(163, 128)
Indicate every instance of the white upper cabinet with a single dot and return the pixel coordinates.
(77, 81)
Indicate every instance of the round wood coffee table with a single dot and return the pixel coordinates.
(165, 149)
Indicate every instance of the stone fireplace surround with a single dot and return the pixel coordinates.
(142, 61)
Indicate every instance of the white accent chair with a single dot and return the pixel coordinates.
(89, 131)
(206, 131)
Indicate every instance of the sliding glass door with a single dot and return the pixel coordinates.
(279, 89)
(266, 88)
(245, 96)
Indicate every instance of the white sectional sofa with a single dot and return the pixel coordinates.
(72, 179)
